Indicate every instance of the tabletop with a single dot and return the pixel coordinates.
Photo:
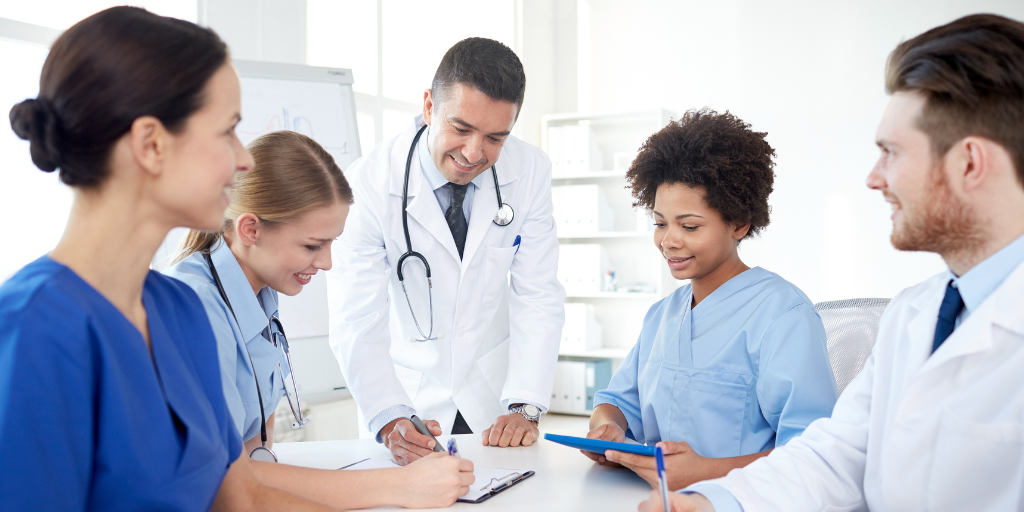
(565, 479)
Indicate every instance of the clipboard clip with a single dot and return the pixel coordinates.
(497, 485)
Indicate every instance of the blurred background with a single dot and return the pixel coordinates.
(602, 75)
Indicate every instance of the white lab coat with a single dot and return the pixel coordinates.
(914, 432)
(499, 332)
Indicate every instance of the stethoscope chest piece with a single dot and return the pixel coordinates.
(504, 215)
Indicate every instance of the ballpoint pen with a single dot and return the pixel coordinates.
(659, 456)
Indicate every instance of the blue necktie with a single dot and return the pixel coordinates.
(951, 307)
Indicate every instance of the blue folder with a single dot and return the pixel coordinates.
(599, 446)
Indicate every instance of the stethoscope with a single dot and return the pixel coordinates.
(262, 453)
(503, 217)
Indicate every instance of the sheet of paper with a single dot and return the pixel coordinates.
(486, 478)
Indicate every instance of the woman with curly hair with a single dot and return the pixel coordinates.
(733, 363)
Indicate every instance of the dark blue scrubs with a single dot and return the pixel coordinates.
(89, 420)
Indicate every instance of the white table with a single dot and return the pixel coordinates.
(565, 480)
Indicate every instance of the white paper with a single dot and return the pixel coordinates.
(485, 477)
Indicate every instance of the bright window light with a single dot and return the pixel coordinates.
(34, 204)
(343, 34)
(61, 14)
(417, 34)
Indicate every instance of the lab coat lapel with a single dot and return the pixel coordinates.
(975, 333)
(423, 207)
(485, 206)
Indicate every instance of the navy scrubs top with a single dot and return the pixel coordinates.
(89, 419)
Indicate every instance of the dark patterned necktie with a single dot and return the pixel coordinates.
(952, 305)
(455, 216)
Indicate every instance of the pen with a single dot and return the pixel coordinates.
(519, 239)
(422, 429)
(453, 448)
(659, 455)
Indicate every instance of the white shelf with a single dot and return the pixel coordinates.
(590, 175)
(607, 234)
(615, 295)
(603, 353)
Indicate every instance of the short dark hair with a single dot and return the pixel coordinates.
(487, 65)
(101, 75)
(971, 72)
(717, 153)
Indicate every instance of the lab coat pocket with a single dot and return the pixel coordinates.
(410, 380)
(711, 405)
(977, 466)
(496, 267)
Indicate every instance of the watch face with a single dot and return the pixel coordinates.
(531, 410)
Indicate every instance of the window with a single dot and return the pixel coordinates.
(34, 205)
(393, 48)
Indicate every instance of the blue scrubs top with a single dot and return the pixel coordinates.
(745, 371)
(254, 314)
(89, 418)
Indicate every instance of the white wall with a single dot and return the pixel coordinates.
(808, 73)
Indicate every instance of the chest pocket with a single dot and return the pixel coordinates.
(496, 267)
(709, 405)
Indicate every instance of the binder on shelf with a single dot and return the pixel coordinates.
(581, 331)
(581, 210)
(582, 267)
(573, 150)
(576, 383)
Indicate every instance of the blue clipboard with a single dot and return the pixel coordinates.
(599, 446)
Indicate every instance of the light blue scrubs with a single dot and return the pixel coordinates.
(92, 419)
(253, 314)
(745, 371)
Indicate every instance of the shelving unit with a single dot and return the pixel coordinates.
(628, 243)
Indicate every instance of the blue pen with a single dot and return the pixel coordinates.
(453, 448)
(659, 455)
(516, 243)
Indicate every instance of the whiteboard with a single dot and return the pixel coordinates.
(317, 102)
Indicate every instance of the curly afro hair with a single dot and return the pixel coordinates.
(718, 153)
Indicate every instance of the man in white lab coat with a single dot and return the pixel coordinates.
(472, 349)
(935, 421)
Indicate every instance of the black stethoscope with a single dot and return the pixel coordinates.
(262, 453)
(502, 218)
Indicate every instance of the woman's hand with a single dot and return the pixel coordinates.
(605, 432)
(683, 466)
(434, 481)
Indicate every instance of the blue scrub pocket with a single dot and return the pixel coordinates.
(710, 405)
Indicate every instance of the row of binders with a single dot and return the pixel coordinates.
(576, 382)
(573, 150)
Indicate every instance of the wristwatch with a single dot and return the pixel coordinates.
(529, 411)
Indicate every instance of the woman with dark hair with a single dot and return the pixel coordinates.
(733, 363)
(110, 392)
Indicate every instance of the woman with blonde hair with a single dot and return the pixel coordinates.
(282, 218)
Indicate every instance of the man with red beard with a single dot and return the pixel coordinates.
(935, 421)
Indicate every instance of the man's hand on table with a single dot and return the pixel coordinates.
(511, 430)
(405, 443)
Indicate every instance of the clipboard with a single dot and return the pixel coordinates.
(494, 481)
(498, 486)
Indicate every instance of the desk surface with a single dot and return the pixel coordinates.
(565, 480)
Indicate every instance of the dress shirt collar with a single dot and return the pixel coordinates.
(430, 171)
(252, 316)
(979, 282)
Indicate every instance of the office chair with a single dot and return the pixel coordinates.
(851, 327)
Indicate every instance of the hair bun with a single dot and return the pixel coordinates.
(35, 121)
